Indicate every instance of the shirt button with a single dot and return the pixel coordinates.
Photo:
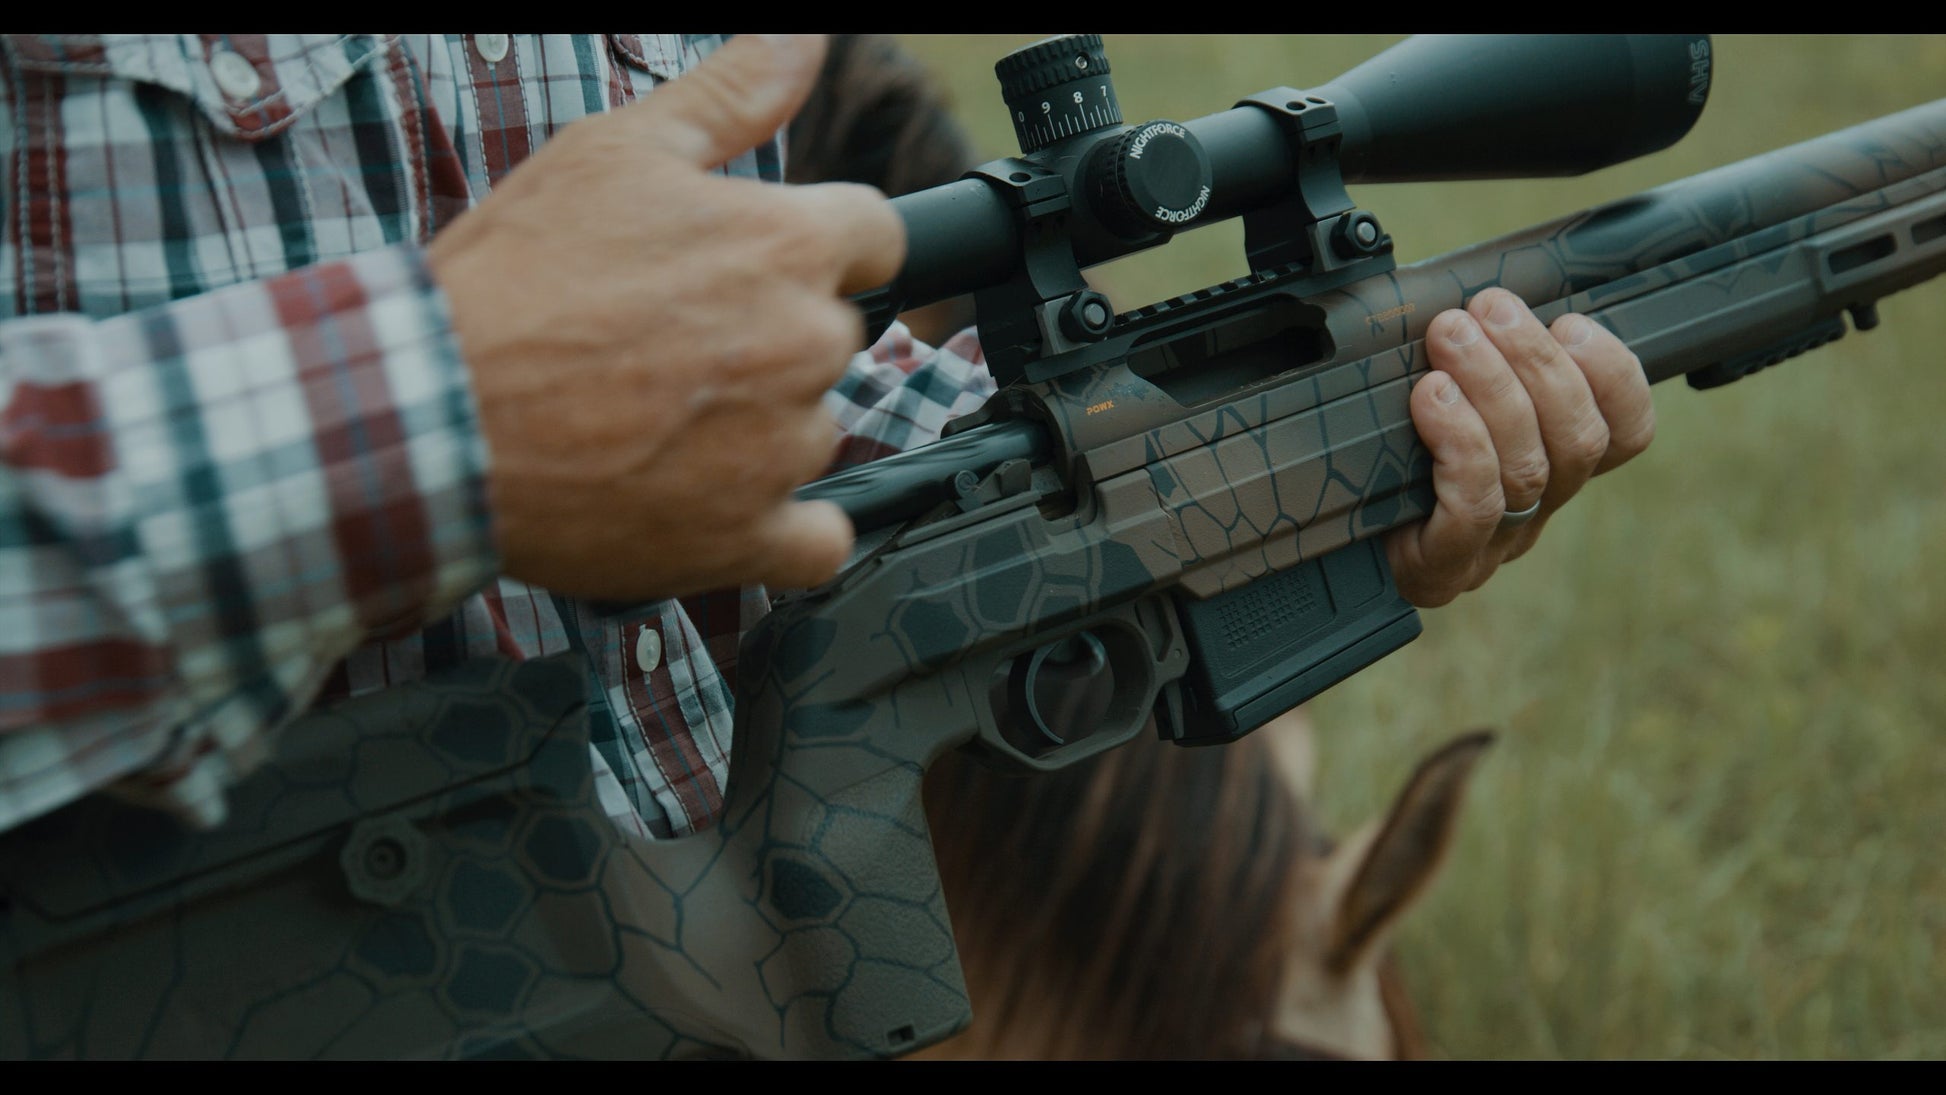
(492, 47)
(236, 76)
(648, 649)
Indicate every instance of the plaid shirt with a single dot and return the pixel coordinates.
(242, 466)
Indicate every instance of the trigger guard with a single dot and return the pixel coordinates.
(1025, 673)
(1144, 649)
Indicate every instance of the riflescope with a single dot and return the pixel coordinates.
(1433, 107)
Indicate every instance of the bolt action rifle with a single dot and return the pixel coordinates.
(1165, 517)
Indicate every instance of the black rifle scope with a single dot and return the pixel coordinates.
(1434, 107)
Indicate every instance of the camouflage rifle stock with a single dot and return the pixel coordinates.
(1167, 514)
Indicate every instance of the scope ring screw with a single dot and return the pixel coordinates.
(1086, 316)
(1355, 234)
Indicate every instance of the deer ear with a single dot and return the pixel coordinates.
(1293, 748)
(1389, 867)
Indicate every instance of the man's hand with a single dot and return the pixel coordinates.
(1514, 413)
(650, 341)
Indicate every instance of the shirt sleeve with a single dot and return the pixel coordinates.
(204, 506)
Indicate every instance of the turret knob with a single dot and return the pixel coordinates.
(1155, 178)
(1058, 88)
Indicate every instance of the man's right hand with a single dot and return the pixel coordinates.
(650, 341)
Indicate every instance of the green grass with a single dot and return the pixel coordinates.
(1710, 828)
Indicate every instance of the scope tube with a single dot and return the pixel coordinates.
(959, 236)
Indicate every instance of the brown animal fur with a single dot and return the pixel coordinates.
(1162, 903)
(1122, 908)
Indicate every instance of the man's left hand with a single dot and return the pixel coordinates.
(1515, 414)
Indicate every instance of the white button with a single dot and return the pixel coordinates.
(648, 649)
(237, 77)
(492, 47)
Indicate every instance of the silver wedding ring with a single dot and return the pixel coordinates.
(1516, 518)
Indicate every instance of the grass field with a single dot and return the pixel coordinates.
(1711, 825)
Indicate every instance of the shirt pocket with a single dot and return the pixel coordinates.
(250, 86)
(644, 60)
(667, 56)
(189, 162)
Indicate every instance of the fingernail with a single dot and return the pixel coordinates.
(1503, 313)
(1579, 330)
(1463, 331)
(1445, 391)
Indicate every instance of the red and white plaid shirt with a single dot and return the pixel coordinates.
(240, 468)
